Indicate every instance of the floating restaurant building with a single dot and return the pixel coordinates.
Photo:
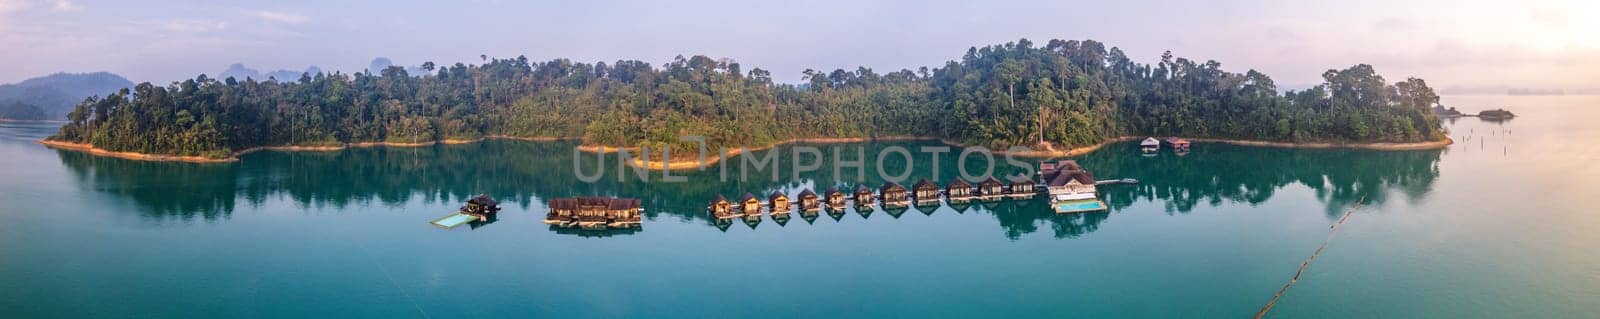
(1071, 188)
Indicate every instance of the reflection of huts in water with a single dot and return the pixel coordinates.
(750, 205)
(778, 203)
(1022, 189)
(925, 192)
(835, 198)
(808, 201)
(563, 212)
(894, 195)
(863, 195)
(991, 189)
(721, 208)
(623, 213)
(958, 191)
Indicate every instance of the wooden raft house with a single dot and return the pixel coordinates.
(1178, 144)
(991, 189)
(835, 198)
(594, 212)
(958, 191)
(1150, 145)
(750, 205)
(1022, 189)
(894, 195)
(808, 202)
(479, 209)
(721, 208)
(926, 192)
(624, 213)
(482, 207)
(778, 203)
(563, 212)
(863, 196)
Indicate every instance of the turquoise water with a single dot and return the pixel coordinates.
(1499, 225)
(1079, 206)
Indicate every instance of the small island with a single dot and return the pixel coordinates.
(1062, 98)
(1495, 115)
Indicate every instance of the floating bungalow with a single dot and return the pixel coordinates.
(894, 195)
(481, 206)
(623, 213)
(1022, 189)
(958, 191)
(563, 212)
(1150, 145)
(593, 211)
(721, 208)
(925, 192)
(1071, 188)
(778, 203)
(1178, 144)
(991, 189)
(863, 196)
(750, 205)
(808, 202)
(835, 198)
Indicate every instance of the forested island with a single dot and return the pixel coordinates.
(1060, 95)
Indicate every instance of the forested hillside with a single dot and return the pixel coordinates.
(1066, 93)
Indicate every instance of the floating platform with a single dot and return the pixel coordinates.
(453, 220)
(1078, 206)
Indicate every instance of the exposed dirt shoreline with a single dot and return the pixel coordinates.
(695, 163)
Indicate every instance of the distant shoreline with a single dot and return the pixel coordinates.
(695, 163)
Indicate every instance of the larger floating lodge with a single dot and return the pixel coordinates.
(594, 212)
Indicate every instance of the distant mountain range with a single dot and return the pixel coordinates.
(239, 72)
(51, 97)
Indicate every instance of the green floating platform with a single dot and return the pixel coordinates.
(453, 220)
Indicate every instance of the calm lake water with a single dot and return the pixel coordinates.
(1506, 223)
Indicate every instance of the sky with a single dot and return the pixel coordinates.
(1459, 47)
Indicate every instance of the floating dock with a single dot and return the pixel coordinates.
(453, 220)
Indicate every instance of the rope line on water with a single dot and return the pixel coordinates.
(1307, 263)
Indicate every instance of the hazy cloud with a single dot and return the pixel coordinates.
(65, 6)
(191, 26)
(9, 6)
(282, 17)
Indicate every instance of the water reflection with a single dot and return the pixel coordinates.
(526, 174)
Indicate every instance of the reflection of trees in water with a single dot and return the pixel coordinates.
(1217, 173)
(525, 174)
